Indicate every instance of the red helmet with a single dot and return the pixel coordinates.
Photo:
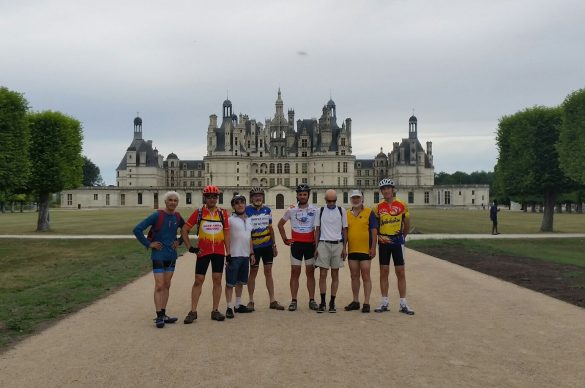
(211, 190)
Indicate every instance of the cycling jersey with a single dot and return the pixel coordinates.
(302, 223)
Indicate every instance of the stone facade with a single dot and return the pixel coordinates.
(278, 154)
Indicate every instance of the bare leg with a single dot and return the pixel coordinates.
(365, 266)
(295, 274)
(216, 278)
(323, 280)
(228, 295)
(159, 289)
(354, 269)
(269, 281)
(239, 290)
(401, 280)
(252, 282)
(310, 272)
(334, 281)
(167, 286)
(384, 272)
(196, 291)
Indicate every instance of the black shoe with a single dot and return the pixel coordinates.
(406, 310)
(242, 309)
(159, 321)
(321, 309)
(382, 308)
(170, 319)
(192, 316)
(217, 316)
(366, 308)
(229, 313)
(292, 306)
(332, 308)
(352, 306)
(313, 305)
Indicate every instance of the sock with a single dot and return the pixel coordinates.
(238, 301)
(332, 301)
(160, 314)
(323, 299)
(402, 301)
(385, 301)
(294, 300)
(229, 305)
(163, 311)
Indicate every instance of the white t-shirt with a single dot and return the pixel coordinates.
(332, 223)
(240, 236)
(301, 222)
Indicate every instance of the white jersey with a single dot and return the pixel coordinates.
(302, 223)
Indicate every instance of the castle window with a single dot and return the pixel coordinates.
(447, 197)
(140, 198)
(184, 183)
(304, 168)
(296, 168)
(359, 182)
(69, 199)
(287, 181)
(314, 197)
(345, 197)
(199, 183)
(287, 168)
(338, 166)
(359, 172)
(192, 174)
(343, 141)
(427, 197)
(236, 153)
(122, 199)
(304, 143)
(344, 166)
(304, 154)
(376, 197)
(411, 197)
(107, 199)
(172, 164)
(95, 197)
(192, 183)
(342, 152)
(345, 181)
(472, 192)
(271, 182)
(188, 198)
(271, 170)
(279, 168)
(260, 153)
(184, 174)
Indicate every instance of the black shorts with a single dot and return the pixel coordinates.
(396, 251)
(162, 266)
(202, 263)
(300, 250)
(264, 254)
(358, 256)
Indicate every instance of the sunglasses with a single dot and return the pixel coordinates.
(330, 200)
(213, 196)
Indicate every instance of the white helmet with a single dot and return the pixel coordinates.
(386, 182)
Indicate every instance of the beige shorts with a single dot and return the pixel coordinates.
(329, 255)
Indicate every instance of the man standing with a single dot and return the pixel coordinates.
(394, 225)
(362, 235)
(212, 227)
(264, 245)
(331, 237)
(162, 240)
(242, 255)
(302, 244)
(494, 217)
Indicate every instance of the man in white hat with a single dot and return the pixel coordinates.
(362, 235)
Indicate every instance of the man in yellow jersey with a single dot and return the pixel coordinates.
(362, 234)
(393, 227)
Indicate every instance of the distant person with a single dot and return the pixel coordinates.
(362, 237)
(331, 238)
(162, 240)
(264, 246)
(242, 255)
(212, 226)
(302, 244)
(494, 217)
(393, 227)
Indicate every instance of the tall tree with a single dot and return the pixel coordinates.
(14, 144)
(571, 145)
(91, 173)
(528, 162)
(55, 153)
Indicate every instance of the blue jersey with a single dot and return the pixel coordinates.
(166, 235)
(261, 223)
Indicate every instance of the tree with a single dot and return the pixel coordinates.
(571, 145)
(14, 144)
(55, 154)
(91, 173)
(528, 162)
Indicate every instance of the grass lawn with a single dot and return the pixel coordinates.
(559, 251)
(122, 220)
(44, 280)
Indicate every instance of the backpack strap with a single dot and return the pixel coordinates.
(154, 229)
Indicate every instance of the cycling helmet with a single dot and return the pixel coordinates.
(210, 189)
(303, 187)
(256, 190)
(386, 182)
(238, 197)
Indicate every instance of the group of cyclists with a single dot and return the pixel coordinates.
(239, 242)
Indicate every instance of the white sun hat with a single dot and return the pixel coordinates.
(356, 193)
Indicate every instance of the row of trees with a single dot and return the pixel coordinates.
(542, 155)
(463, 178)
(40, 154)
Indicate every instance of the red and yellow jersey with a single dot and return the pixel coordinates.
(358, 230)
(211, 230)
(391, 217)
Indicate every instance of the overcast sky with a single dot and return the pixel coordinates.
(460, 64)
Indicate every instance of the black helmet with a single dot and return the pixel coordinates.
(303, 187)
(238, 197)
(256, 190)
